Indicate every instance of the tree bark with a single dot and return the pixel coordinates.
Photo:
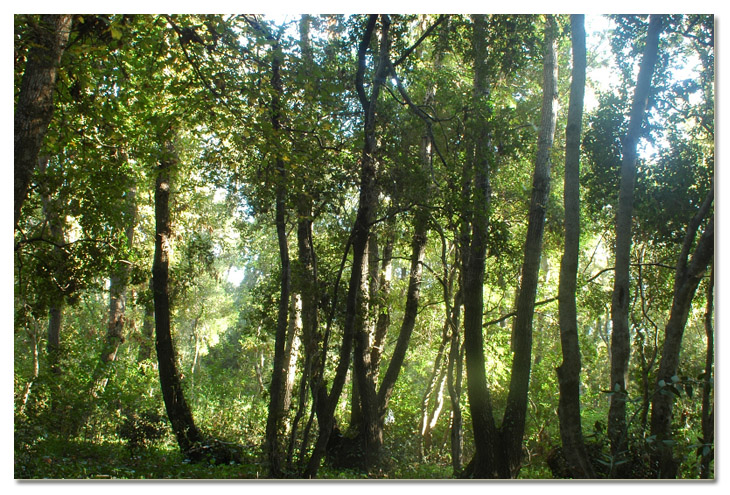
(571, 432)
(34, 107)
(478, 166)
(454, 381)
(513, 425)
(688, 275)
(148, 329)
(368, 199)
(178, 411)
(57, 303)
(708, 410)
(620, 339)
(276, 387)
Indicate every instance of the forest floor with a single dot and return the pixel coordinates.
(55, 458)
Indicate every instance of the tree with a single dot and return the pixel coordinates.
(34, 105)
(689, 273)
(620, 341)
(499, 452)
(569, 371)
(178, 411)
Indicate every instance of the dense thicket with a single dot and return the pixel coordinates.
(345, 246)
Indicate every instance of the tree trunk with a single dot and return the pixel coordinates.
(181, 417)
(688, 275)
(34, 338)
(368, 200)
(305, 283)
(620, 339)
(56, 305)
(34, 107)
(418, 251)
(291, 352)
(118, 282)
(513, 425)
(435, 381)
(708, 410)
(148, 328)
(477, 165)
(272, 447)
(432, 401)
(454, 381)
(571, 432)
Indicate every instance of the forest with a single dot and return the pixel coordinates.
(364, 246)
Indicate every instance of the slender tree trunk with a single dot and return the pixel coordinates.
(118, 282)
(418, 251)
(434, 382)
(432, 401)
(181, 417)
(368, 200)
(571, 432)
(276, 387)
(34, 339)
(486, 437)
(708, 410)
(148, 329)
(513, 425)
(620, 339)
(34, 107)
(304, 281)
(291, 352)
(382, 323)
(118, 288)
(688, 275)
(454, 381)
(55, 309)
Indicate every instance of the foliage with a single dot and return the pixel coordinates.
(128, 84)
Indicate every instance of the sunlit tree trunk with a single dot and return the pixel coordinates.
(513, 425)
(178, 411)
(571, 432)
(454, 382)
(432, 400)
(689, 274)
(620, 339)
(291, 352)
(34, 335)
(34, 107)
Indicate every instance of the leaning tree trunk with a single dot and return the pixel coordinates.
(34, 107)
(178, 411)
(620, 339)
(688, 275)
(571, 432)
(513, 424)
